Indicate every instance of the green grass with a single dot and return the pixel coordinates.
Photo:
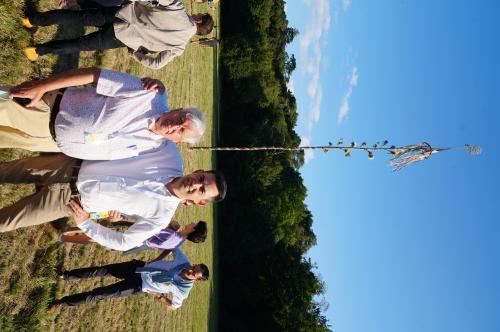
(29, 257)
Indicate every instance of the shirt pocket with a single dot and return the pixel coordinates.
(114, 185)
(125, 152)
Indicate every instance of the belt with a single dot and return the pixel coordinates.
(74, 178)
(53, 113)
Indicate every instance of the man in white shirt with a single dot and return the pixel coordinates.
(121, 117)
(158, 277)
(147, 188)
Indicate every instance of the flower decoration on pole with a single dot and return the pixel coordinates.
(412, 153)
(401, 156)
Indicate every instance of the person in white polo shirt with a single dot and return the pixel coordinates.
(121, 117)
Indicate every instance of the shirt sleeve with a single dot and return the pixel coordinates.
(134, 236)
(158, 61)
(179, 257)
(176, 297)
(173, 4)
(87, 151)
(170, 4)
(176, 300)
(117, 84)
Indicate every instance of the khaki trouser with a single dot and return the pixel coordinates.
(53, 173)
(26, 128)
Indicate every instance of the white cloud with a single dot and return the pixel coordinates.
(346, 4)
(310, 41)
(308, 154)
(345, 107)
(291, 86)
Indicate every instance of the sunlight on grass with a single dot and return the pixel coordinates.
(29, 257)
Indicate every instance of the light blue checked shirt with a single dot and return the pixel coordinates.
(178, 289)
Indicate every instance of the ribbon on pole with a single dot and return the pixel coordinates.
(401, 156)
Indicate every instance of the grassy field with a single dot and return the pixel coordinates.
(29, 257)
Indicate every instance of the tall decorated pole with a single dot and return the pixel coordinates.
(401, 156)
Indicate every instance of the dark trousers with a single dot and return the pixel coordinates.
(130, 285)
(102, 39)
(85, 4)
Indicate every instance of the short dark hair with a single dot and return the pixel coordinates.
(204, 272)
(220, 182)
(199, 234)
(206, 26)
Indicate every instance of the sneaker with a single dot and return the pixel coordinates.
(30, 53)
(60, 275)
(26, 23)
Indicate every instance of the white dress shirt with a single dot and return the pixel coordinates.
(136, 188)
(110, 121)
(163, 164)
(149, 286)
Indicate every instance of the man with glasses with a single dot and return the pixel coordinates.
(123, 116)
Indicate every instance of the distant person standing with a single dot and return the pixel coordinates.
(158, 278)
(155, 32)
(206, 42)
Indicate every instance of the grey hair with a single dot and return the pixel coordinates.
(199, 122)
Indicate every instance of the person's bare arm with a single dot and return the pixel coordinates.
(34, 90)
(166, 302)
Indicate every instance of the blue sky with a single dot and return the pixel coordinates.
(416, 250)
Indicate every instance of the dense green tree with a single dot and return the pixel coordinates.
(290, 65)
(265, 226)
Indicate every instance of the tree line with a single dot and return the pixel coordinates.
(265, 228)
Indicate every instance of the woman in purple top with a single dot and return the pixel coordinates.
(169, 238)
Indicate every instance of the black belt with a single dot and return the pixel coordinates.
(74, 178)
(53, 113)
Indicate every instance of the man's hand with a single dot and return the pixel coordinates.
(156, 295)
(115, 215)
(151, 84)
(77, 212)
(166, 302)
(33, 90)
(174, 225)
